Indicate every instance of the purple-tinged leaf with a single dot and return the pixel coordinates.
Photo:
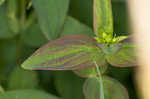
(90, 72)
(124, 55)
(111, 87)
(129, 39)
(66, 53)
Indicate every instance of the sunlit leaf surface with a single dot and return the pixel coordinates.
(1, 2)
(103, 21)
(1, 89)
(66, 53)
(112, 89)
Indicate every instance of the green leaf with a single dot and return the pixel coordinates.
(68, 85)
(123, 55)
(33, 36)
(51, 15)
(21, 79)
(12, 13)
(103, 21)
(90, 72)
(66, 53)
(73, 26)
(112, 89)
(1, 2)
(5, 31)
(27, 94)
(1, 89)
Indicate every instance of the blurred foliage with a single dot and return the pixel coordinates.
(1, 89)
(29, 34)
(22, 79)
(68, 85)
(27, 94)
(73, 26)
(120, 14)
(21, 34)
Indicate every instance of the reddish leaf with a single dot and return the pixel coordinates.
(112, 89)
(123, 56)
(66, 53)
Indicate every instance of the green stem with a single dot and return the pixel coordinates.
(22, 22)
(23, 12)
(100, 81)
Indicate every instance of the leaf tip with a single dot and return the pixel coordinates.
(26, 66)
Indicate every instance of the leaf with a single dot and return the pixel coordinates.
(51, 15)
(103, 21)
(73, 26)
(21, 79)
(1, 90)
(5, 31)
(12, 13)
(112, 89)
(1, 2)
(26, 52)
(29, 34)
(90, 72)
(123, 55)
(68, 85)
(66, 53)
(27, 94)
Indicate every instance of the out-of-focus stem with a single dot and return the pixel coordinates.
(23, 11)
(100, 81)
(22, 22)
(140, 16)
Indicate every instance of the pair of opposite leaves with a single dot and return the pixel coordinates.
(80, 51)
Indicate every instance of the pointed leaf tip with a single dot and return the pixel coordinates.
(26, 65)
(66, 53)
